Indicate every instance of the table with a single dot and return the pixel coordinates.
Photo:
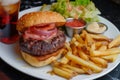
(109, 10)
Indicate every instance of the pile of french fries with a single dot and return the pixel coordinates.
(86, 54)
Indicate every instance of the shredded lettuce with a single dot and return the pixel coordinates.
(84, 9)
(82, 2)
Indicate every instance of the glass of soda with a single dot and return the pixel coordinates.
(9, 10)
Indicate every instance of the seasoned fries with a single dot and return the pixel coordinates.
(86, 54)
(115, 42)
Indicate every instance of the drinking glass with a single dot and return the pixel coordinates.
(9, 10)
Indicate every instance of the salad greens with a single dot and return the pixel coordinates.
(84, 9)
(82, 2)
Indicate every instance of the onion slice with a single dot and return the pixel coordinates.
(40, 32)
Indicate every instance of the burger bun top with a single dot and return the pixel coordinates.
(36, 18)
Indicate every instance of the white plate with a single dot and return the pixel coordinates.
(9, 55)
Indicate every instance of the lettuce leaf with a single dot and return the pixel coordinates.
(82, 2)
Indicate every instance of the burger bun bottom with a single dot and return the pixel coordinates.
(35, 62)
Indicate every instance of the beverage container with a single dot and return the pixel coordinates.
(8, 18)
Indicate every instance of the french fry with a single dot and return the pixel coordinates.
(82, 35)
(73, 40)
(64, 60)
(74, 49)
(74, 68)
(87, 70)
(68, 70)
(85, 49)
(86, 54)
(83, 55)
(89, 40)
(106, 52)
(82, 62)
(110, 58)
(115, 42)
(93, 46)
(98, 44)
(76, 43)
(99, 37)
(78, 38)
(100, 61)
(62, 73)
(67, 45)
(103, 48)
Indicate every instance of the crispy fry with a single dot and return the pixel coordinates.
(74, 68)
(68, 70)
(93, 47)
(83, 55)
(86, 54)
(102, 48)
(74, 49)
(115, 42)
(100, 61)
(106, 52)
(62, 73)
(99, 37)
(64, 60)
(78, 38)
(82, 62)
(83, 34)
(73, 40)
(110, 58)
(87, 70)
(67, 45)
(89, 40)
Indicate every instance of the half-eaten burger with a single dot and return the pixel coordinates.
(40, 41)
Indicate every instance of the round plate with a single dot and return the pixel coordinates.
(10, 55)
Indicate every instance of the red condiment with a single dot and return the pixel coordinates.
(75, 23)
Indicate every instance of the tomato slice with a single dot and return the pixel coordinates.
(39, 32)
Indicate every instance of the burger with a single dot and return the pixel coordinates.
(41, 41)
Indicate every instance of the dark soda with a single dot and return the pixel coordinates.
(8, 20)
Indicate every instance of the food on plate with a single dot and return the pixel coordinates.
(96, 27)
(40, 41)
(115, 42)
(75, 22)
(86, 53)
(74, 26)
(84, 9)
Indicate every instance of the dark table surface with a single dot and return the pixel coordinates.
(109, 10)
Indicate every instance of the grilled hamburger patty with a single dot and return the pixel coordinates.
(40, 47)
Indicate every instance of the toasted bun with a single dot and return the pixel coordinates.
(35, 18)
(41, 61)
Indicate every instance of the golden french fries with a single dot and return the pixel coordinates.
(83, 55)
(99, 61)
(87, 70)
(110, 58)
(102, 48)
(62, 73)
(82, 62)
(86, 54)
(74, 68)
(99, 37)
(115, 42)
(106, 52)
(64, 60)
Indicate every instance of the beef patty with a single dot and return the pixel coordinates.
(40, 47)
